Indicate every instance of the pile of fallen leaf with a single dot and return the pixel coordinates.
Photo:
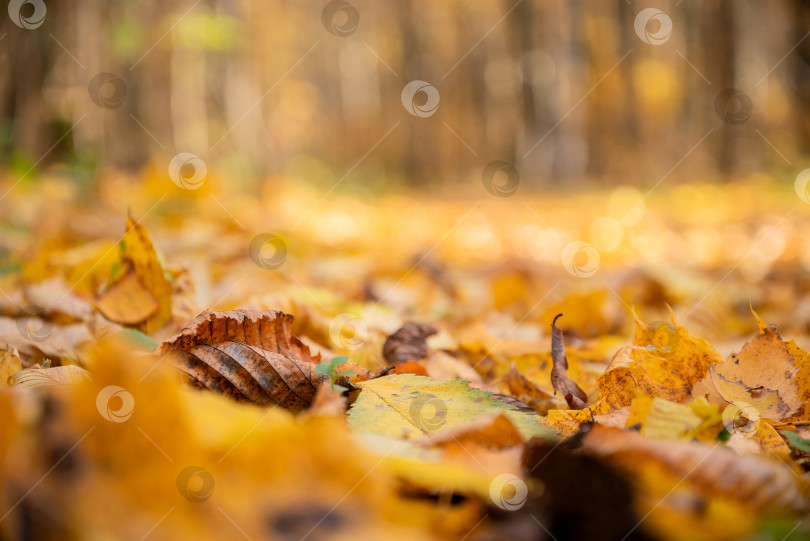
(415, 394)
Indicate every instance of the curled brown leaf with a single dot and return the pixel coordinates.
(574, 395)
(409, 343)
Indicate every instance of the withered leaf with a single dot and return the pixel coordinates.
(574, 395)
(248, 356)
(140, 288)
(408, 343)
(765, 374)
(127, 301)
(49, 377)
(711, 470)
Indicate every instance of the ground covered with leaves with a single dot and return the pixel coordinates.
(201, 364)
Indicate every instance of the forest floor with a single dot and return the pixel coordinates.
(419, 392)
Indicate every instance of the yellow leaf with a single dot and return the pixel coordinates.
(138, 255)
(664, 361)
(9, 364)
(662, 419)
(127, 301)
(412, 407)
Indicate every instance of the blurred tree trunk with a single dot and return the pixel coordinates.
(801, 73)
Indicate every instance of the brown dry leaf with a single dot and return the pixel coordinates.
(520, 386)
(409, 343)
(576, 397)
(712, 470)
(248, 356)
(765, 374)
(48, 377)
(529, 393)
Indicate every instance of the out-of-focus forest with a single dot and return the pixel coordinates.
(562, 90)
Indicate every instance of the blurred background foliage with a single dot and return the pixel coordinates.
(563, 90)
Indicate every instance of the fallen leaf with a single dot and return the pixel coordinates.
(248, 356)
(411, 407)
(664, 361)
(765, 374)
(441, 365)
(56, 298)
(139, 261)
(48, 377)
(38, 339)
(409, 343)
(576, 397)
(664, 419)
(519, 385)
(127, 301)
(716, 470)
(10, 364)
(529, 393)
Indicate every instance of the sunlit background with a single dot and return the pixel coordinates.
(564, 91)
